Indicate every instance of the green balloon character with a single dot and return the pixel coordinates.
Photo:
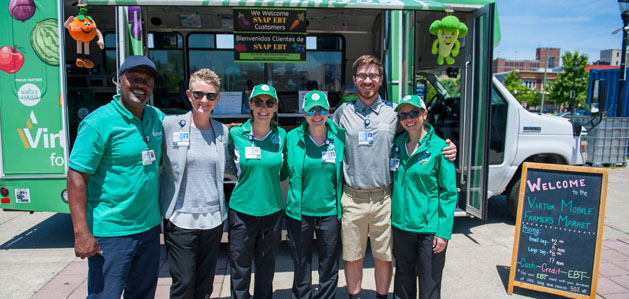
(448, 30)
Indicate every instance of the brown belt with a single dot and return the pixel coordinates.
(348, 189)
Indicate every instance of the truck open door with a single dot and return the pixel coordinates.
(476, 110)
(34, 152)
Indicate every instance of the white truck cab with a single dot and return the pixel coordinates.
(516, 136)
(528, 137)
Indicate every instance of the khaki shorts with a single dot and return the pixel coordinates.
(366, 213)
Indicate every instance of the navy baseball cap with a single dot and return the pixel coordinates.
(138, 61)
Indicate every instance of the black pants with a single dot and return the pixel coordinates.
(300, 240)
(192, 255)
(257, 238)
(414, 260)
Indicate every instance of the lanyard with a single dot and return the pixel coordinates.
(146, 138)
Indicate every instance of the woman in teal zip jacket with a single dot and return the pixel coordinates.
(313, 204)
(423, 203)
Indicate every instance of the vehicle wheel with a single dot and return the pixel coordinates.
(512, 198)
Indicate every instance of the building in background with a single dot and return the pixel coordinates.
(544, 58)
(612, 57)
(531, 72)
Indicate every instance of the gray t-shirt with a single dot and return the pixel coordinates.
(366, 166)
(197, 205)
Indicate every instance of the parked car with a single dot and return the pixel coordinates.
(579, 112)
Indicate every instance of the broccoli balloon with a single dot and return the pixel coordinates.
(448, 30)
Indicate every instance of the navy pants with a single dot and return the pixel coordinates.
(192, 256)
(415, 260)
(301, 241)
(128, 263)
(254, 238)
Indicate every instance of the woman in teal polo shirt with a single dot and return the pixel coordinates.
(423, 203)
(314, 158)
(255, 206)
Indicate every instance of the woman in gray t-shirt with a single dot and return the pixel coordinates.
(195, 160)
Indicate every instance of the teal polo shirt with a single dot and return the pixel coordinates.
(258, 191)
(319, 182)
(122, 193)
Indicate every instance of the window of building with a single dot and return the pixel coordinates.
(551, 62)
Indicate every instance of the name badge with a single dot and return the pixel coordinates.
(365, 138)
(394, 164)
(328, 157)
(181, 139)
(148, 157)
(252, 153)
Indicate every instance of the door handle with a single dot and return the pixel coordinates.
(464, 151)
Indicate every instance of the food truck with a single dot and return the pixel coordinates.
(48, 87)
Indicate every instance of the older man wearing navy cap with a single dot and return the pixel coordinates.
(113, 188)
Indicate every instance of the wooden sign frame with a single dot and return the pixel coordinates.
(518, 228)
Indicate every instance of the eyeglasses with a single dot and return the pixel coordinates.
(198, 95)
(372, 76)
(314, 110)
(259, 103)
(411, 114)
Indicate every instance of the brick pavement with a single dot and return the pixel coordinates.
(613, 278)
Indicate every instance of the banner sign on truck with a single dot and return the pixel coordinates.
(33, 139)
(270, 35)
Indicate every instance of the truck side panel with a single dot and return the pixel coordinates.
(33, 137)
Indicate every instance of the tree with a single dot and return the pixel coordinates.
(452, 87)
(521, 92)
(561, 88)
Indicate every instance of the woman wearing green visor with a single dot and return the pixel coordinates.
(314, 158)
(423, 203)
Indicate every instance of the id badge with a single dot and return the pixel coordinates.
(328, 157)
(365, 138)
(181, 139)
(394, 164)
(252, 153)
(148, 157)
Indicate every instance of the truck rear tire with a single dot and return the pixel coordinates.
(513, 197)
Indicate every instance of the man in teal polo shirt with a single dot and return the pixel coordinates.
(113, 189)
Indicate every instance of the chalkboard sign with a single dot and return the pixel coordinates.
(559, 229)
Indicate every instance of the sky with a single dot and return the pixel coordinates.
(582, 25)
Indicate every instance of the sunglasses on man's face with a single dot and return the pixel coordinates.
(259, 103)
(198, 95)
(314, 110)
(411, 114)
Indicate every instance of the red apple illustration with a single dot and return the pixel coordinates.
(11, 60)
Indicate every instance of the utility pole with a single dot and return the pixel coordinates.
(621, 79)
(541, 108)
(573, 93)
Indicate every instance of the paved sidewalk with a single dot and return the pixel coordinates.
(613, 281)
(477, 263)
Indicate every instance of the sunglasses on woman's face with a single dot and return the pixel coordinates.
(259, 103)
(411, 114)
(314, 110)
(198, 95)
